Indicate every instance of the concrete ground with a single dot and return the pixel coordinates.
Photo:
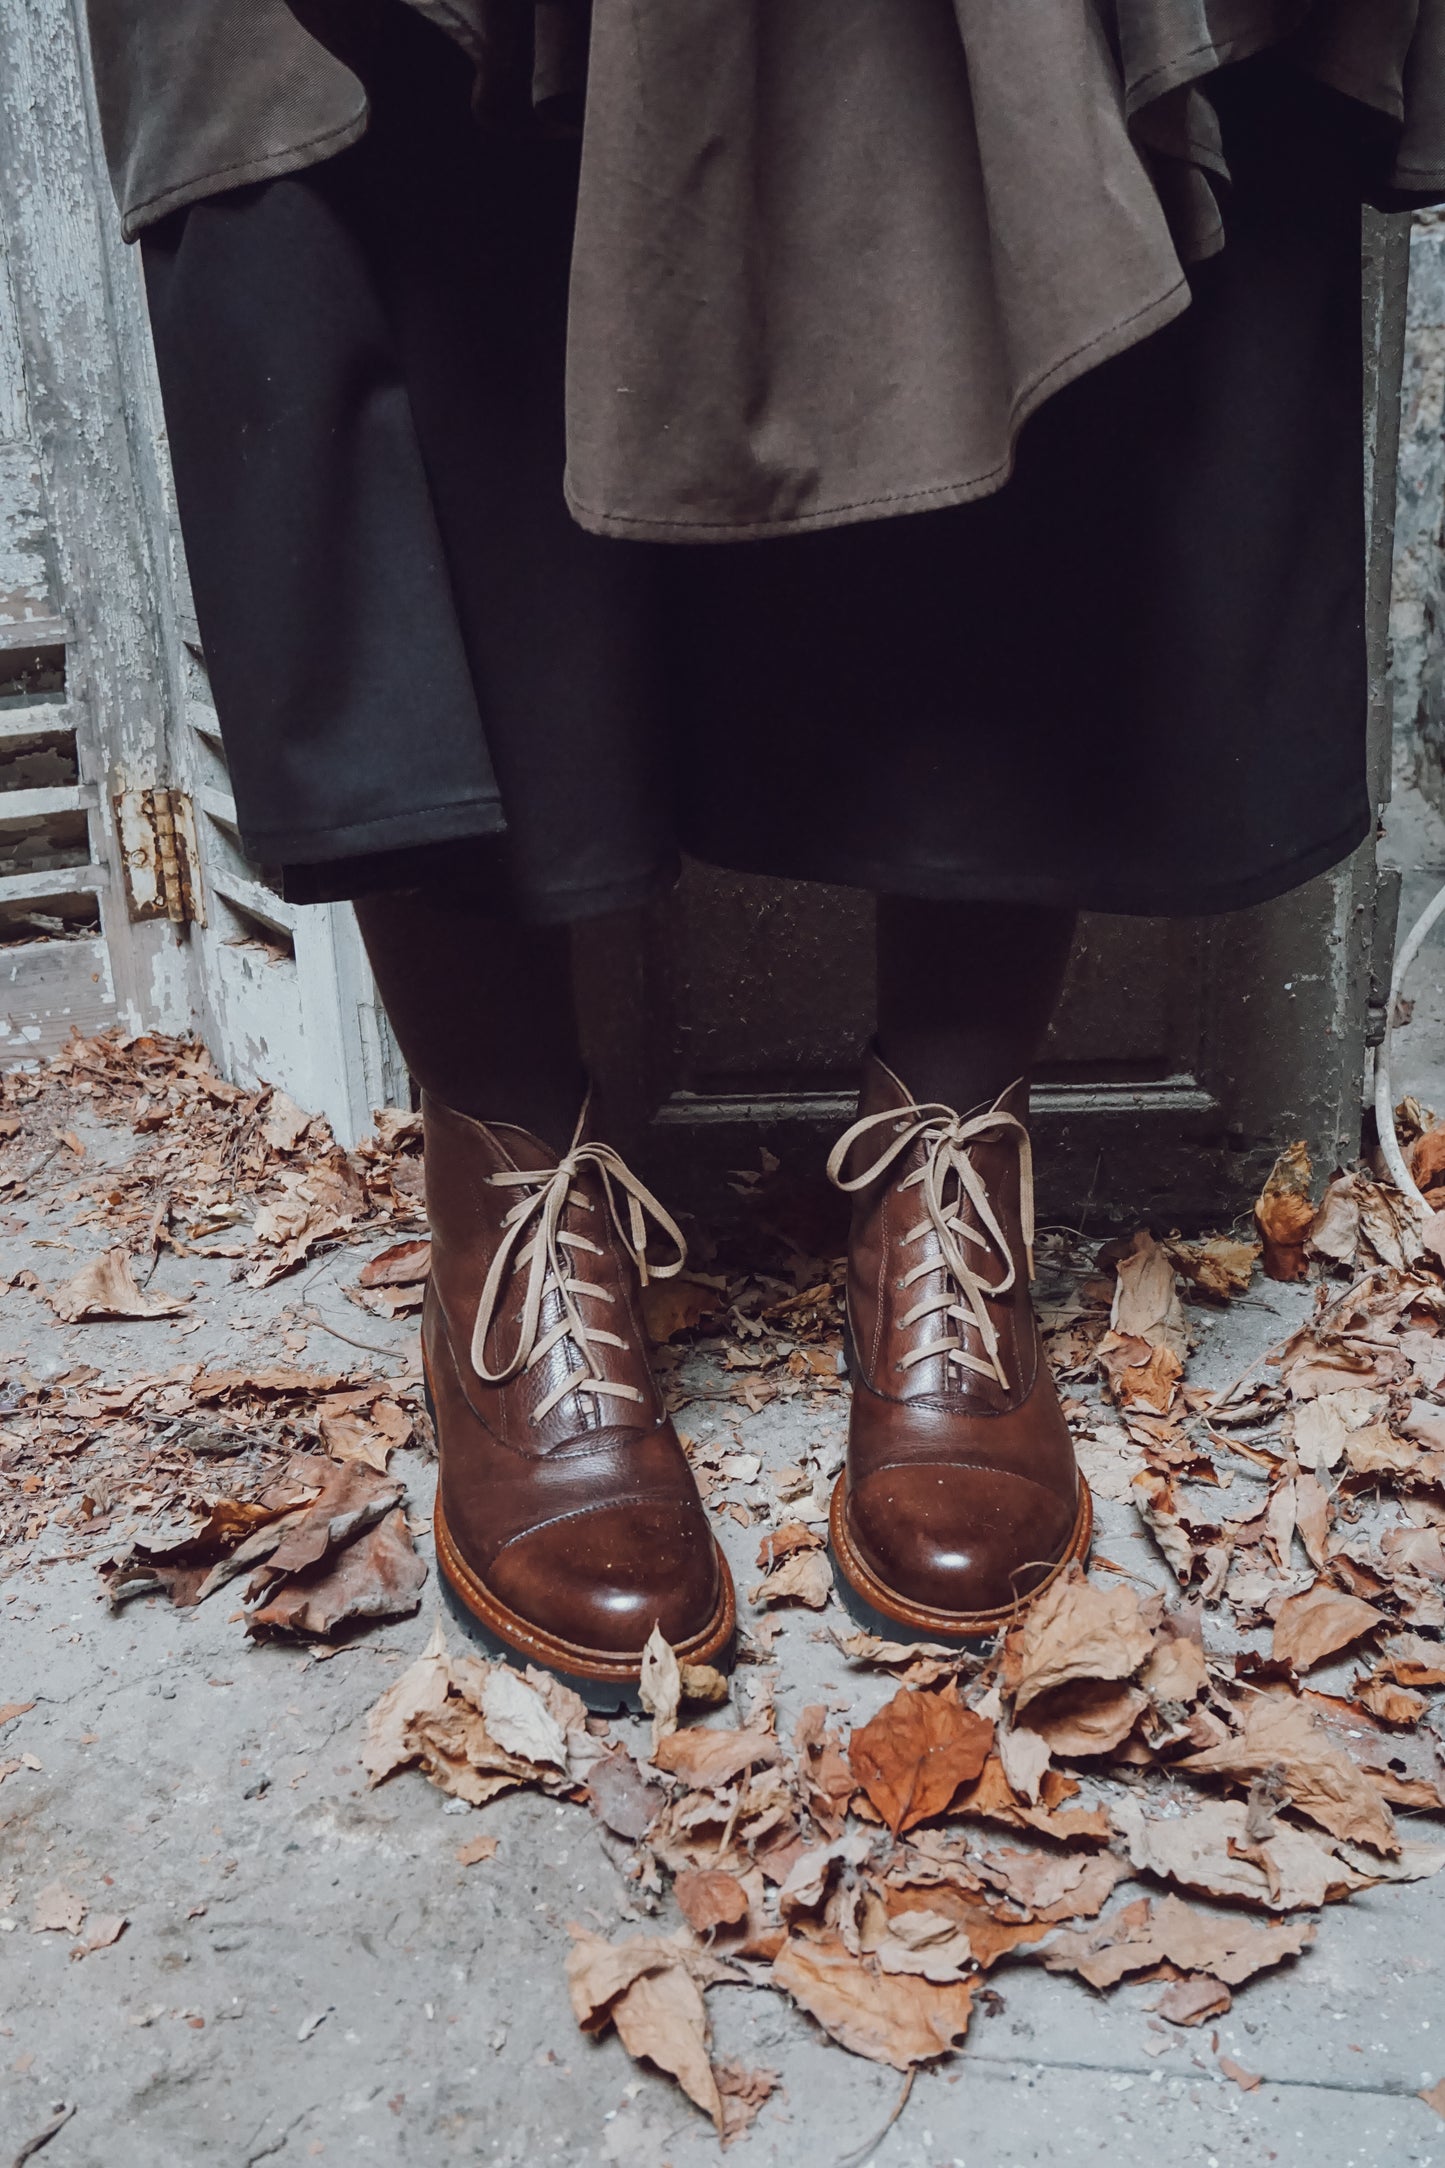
(309, 1974)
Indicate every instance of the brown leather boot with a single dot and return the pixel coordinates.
(567, 1521)
(961, 1495)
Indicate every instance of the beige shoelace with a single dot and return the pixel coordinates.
(534, 1241)
(946, 1178)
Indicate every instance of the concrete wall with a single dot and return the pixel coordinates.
(1417, 621)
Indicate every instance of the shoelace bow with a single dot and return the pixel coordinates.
(946, 1178)
(534, 1241)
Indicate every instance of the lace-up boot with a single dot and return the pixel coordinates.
(961, 1495)
(567, 1521)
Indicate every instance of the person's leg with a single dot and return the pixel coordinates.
(965, 993)
(960, 1496)
(482, 1008)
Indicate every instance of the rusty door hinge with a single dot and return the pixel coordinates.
(158, 850)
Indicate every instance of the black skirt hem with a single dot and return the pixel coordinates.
(477, 818)
(1121, 900)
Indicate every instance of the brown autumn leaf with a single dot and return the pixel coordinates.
(651, 1990)
(476, 1851)
(1246, 2080)
(1025, 1758)
(1284, 1214)
(705, 1759)
(710, 1897)
(105, 1930)
(889, 2018)
(403, 1265)
(781, 1543)
(1434, 2097)
(1157, 1504)
(376, 1575)
(1074, 1630)
(1193, 1999)
(283, 1124)
(58, 1911)
(621, 1797)
(349, 1434)
(1318, 1623)
(1213, 1852)
(1146, 1933)
(992, 1799)
(1054, 1885)
(743, 2092)
(1335, 1229)
(107, 1288)
(660, 1689)
(913, 1756)
(1393, 1705)
(803, 1577)
(670, 1307)
(1412, 1661)
(1321, 1779)
(1088, 1716)
(1176, 1671)
(1221, 1267)
(9, 1710)
(1146, 1302)
(1138, 1374)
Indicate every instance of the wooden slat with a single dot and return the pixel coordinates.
(36, 805)
(54, 881)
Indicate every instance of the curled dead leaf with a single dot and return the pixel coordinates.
(888, 2018)
(1074, 1630)
(917, 1752)
(1284, 1214)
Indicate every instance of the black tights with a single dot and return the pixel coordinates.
(484, 1012)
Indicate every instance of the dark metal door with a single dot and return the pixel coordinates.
(1185, 1054)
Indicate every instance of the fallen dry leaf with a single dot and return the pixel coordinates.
(1317, 1624)
(1213, 1852)
(1322, 1780)
(660, 1690)
(1434, 2097)
(1089, 1716)
(1284, 1215)
(1138, 1374)
(1146, 1302)
(670, 1307)
(743, 2092)
(1221, 1267)
(888, 2018)
(1074, 1630)
(58, 1911)
(916, 1753)
(479, 1849)
(802, 1577)
(1146, 1933)
(377, 1574)
(705, 1759)
(1158, 1508)
(1246, 2080)
(709, 1897)
(106, 1929)
(405, 1264)
(622, 1798)
(651, 1990)
(107, 1288)
(1193, 1999)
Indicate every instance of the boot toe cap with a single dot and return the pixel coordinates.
(960, 1540)
(602, 1579)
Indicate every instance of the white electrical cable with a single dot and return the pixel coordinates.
(1384, 1109)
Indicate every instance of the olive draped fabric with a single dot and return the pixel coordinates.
(830, 254)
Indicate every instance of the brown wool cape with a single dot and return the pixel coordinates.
(830, 254)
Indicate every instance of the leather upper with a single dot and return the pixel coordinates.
(581, 1517)
(962, 1484)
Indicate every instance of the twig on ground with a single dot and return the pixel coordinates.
(42, 2137)
(861, 2152)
